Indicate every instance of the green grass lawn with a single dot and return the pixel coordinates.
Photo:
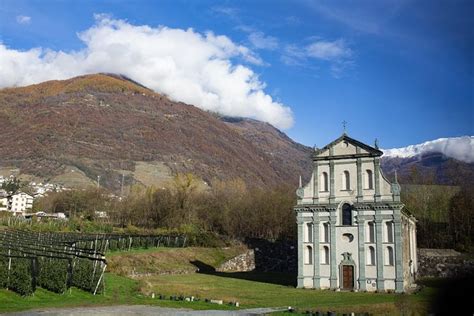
(251, 289)
(119, 291)
(243, 288)
(251, 292)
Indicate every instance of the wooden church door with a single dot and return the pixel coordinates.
(347, 277)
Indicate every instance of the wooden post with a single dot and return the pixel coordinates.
(100, 279)
(9, 268)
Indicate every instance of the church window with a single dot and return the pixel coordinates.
(389, 231)
(325, 255)
(389, 258)
(324, 182)
(371, 256)
(309, 232)
(370, 180)
(371, 232)
(346, 180)
(309, 255)
(325, 232)
(346, 214)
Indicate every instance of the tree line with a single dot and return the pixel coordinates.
(229, 208)
(445, 214)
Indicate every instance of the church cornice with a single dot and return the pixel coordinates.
(381, 206)
(372, 152)
(340, 157)
(315, 208)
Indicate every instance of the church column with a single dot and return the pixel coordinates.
(397, 223)
(299, 221)
(333, 275)
(316, 261)
(331, 182)
(379, 246)
(361, 227)
(315, 182)
(377, 179)
(359, 180)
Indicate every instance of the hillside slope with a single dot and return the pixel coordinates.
(72, 131)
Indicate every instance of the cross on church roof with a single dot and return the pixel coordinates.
(344, 124)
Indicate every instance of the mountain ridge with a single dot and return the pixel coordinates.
(107, 125)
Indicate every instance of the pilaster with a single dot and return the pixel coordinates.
(379, 246)
(361, 228)
(316, 261)
(397, 223)
(359, 179)
(332, 227)
(377, 196)
(332, 197)
(300, 223)
(315, 182)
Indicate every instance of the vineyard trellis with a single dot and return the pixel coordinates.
(57, 261)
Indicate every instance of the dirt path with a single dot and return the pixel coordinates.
(140, 310)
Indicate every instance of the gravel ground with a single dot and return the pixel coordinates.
(141, 310)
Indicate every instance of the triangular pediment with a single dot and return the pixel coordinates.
(345, 146)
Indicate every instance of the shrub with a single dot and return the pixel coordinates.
(3, 272)
(83, 275)
(21, 277)
(53, 274)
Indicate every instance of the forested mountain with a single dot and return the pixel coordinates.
(73, 131)
(108, 126)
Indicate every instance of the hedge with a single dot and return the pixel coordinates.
(83, 275)
(21, 278)
(53, 274)
(3, 273)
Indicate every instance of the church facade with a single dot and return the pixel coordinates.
(353, 233)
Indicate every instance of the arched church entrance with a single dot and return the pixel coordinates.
(347, 272)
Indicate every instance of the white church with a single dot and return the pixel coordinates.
(353, 233)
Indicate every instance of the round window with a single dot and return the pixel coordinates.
(347, 237)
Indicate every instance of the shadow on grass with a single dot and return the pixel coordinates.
(280, 278)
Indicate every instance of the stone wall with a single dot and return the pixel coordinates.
(241, 263)
(264, 256)
(443, 263)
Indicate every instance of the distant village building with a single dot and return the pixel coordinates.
(20, 202)
(353, 233)
(3, 201)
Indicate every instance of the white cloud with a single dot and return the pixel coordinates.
(460, 148)
(260, 41)
(23, 19)
(328, 50)
(337, 53)
(227, 11)
(188, 66)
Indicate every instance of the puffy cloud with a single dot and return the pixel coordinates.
(23, 19)
(460, 148)
(187, 66)
(261, 41)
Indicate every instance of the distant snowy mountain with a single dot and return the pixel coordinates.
(448, 160)
(459, 148)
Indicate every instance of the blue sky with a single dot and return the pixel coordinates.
(399, 71)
